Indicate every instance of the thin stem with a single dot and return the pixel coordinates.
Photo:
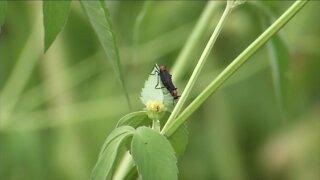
(125, 167)
(199, 66)
(235, 65)
(182, 63)
(156, 125)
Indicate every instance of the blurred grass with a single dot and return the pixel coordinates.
(63, 104)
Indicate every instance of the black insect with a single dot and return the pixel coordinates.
(166, 81)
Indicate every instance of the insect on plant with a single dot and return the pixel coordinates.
(166, 80)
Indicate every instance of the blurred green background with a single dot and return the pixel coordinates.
(60, 106)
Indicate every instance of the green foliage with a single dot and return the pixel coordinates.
(153, 155)
(279, 60)
(55, 118)
(185, 61)
(278, 55)
(137, 26)
(109, 152)
(100, 20)
(230, 69)
(135, 119)
(201, 62)
(55, 15)
(3, 11)
(179, 140)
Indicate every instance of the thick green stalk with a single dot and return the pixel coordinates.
(200, 64)
(231, 68)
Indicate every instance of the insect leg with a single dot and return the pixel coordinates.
(166, 92)
(156, 87)
(157, 71)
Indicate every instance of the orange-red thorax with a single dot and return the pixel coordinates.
(163, 68)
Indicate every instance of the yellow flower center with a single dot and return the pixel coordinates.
(155, 106)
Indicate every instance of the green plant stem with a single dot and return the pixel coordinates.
(199, 66)
(156, 125)
(182, 63)
(125, 167)
(231, 68)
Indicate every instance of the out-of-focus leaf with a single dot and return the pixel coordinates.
(55, 15)
(137, 27)
(100, 20)
(279, 56)
(179, 140)
(153, 155)
(109, 152)
(135, 119)
(279, 60)
(3, 11)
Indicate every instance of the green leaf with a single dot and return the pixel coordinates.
(153, 155)
(100, 20)
(279, 60)
(109, 152)
(152, 91)
(3, 11)
(140, 118)
(135, 119)
(179, 140)
(137, 27)
(279, 55)
(55, 15)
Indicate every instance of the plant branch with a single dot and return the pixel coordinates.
(229, 7)
(231, 68)
(183, 60)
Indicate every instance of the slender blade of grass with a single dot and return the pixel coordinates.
(137, 27)
(278, 58)
(279, 61)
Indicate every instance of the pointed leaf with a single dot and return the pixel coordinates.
(279, 55)
(152, 91)
(100, 20)
(279, 60)
(153, 155)
(3, 11)
(55, 15)
(109, 152)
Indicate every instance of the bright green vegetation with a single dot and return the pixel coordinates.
(76, 81)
